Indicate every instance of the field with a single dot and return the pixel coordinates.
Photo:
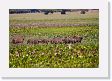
(39, 26)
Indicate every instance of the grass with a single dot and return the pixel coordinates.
(78, 55)
(74, 17)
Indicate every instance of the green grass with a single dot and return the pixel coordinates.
(78, 55)
(83, 54)
(50, 56)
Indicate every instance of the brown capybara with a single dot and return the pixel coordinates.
(72, 40)
(18, 39)
(78, 38)
(57, 41)
(30, 41)
(34, 41)
(66, 40)
(46, 41)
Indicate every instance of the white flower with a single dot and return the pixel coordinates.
(27, 55)
(69, 46)
(42, 53)
(23, 56)
(80, 56)
(55, 53)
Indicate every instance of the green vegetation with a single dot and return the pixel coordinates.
(78, 55)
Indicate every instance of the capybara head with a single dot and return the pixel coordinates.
(79, 39)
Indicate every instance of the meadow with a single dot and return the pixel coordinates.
(38, 25)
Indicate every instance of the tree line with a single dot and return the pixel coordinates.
(46, 11)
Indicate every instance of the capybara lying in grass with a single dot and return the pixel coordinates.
(46, 41)
(37, 41)
(78, 38)
(57, 41)
(72, 40)
(34, 41)
(17, 39)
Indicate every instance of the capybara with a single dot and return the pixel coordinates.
(57, 41)
(72, 40)
(17, 39)
(66, 40)
(34, 41)
(46, 41)
(78, 38)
